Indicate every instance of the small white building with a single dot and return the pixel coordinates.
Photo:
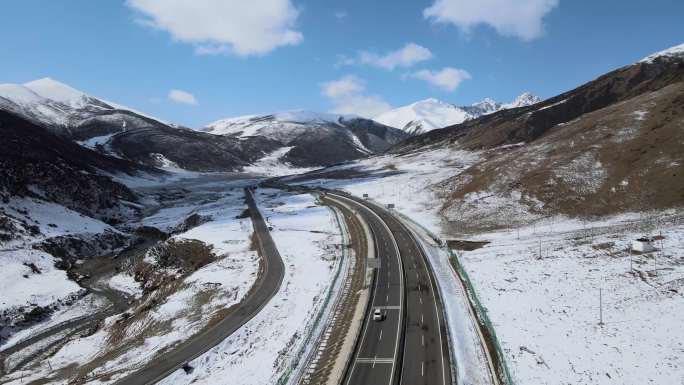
(643, 245)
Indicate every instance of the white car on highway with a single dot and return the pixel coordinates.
(377, 315)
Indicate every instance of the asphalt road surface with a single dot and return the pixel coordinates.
(195, 346)
(410, 345)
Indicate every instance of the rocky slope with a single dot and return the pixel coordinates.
(35, 162)
(308, 139)
(430, 114)
(614, 144)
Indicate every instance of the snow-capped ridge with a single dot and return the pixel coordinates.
(430, 114)
(523, 100)
(52, 103)
(311, 138)
(58, 92)
(19, 94)
(676, 51)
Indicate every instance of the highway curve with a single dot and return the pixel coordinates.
(411, 345)
(264, 289)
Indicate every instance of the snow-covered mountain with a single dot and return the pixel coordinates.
(66, 110)
(429, 114)
(115, 130)
(282, 126)
(310, 138)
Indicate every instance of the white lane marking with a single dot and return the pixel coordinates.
(420, 298)
(422, 338)
(421, 318)
(397, 255)
(371, 300)
(387, 298)
(374, 359)
(380, 335)
(431, 288)
(422, 369)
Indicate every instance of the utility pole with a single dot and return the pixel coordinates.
(540, 251)
(600, 306)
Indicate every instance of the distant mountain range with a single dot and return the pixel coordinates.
(296, 138)
(429, 114)
(308, 139)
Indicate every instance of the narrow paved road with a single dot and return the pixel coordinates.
(265, 288)
(411, 345)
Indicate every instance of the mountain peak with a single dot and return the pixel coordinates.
(57, 91)
(524, 99)
(429, 114)
(487, 105)
(430, 101)
(306, 116)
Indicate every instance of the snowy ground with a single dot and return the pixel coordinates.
(28, 277)
(263, 351)
(190, 303)
(272, 165)
(546, 311)
(404, 181)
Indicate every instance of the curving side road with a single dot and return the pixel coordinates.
(262, 292)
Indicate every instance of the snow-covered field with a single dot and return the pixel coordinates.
(546, 311)
(188, 305)
(20, 286)
(272, 165)
(265, 349)
(28, 277)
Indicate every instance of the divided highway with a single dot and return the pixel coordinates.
(410, 346)
(264, 289)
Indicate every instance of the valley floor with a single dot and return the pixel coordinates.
(267, 349)
(169, 303)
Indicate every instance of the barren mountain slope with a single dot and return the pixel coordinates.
(626, 157)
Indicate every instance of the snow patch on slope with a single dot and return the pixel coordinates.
(273, 165)
(676, 51)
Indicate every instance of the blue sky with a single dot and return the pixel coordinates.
(235, 57)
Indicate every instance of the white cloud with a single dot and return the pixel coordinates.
(224, 26)
(341, 15)
(183, 97)
(348, 97)
(447, 78)
(407, 56)
(520, 18)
